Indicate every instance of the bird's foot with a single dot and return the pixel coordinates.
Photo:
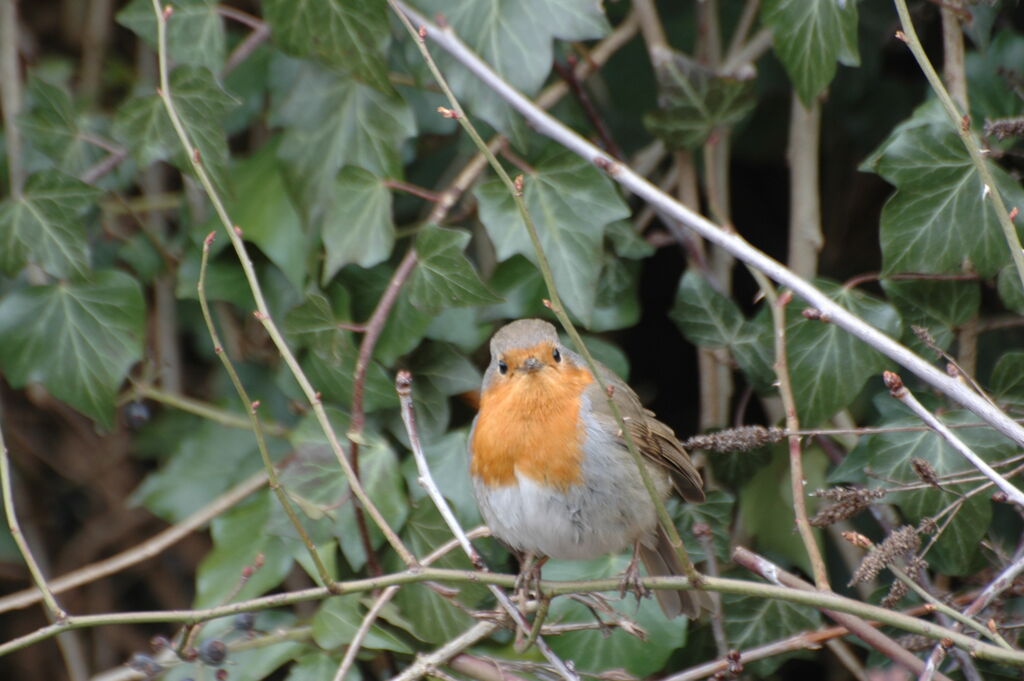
(631, 580)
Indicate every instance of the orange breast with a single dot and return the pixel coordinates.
(530, 423)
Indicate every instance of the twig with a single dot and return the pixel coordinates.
(57, 612)
(262, 311)
(254, 421)
(555, 304)
(895, 385)
(857, 626)
(802, 152)
(742, 30)
(10, 94)
(961, 123)
(425, 664)
(549, 126)
(245, 48)
(403, 385)
(143, 551)
(1001, 583)
(953, 56)
(197, 407)
(707, 542)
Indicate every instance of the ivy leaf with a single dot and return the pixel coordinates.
(331, 121)
(571, 203)
(357, 225)
(447, 458)
(754, 621)
(78, 339)
(195, 30)
(142, 124)
(809, 38)
(438, 372)
(515, 38)
(51, 125)
(598, 651)
(950, 302)
(443, 276)
(1010, 290)
(827, 365)
(1007, 381)
(314, 322)
(710, 319)
(888, 457)
(238, 537)
(338, 619)
(939, 219)
(989, 71)
(44, 225)
(716, 513)
(693, 100)
(344, 34)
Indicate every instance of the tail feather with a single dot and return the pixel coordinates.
(661, 560)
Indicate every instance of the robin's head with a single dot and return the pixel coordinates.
(527, 348)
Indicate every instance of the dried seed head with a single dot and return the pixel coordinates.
(915, 642)
(848, 502)
(897, 591)
(742, 439)
(1005, 127)
(927, 526)
(924, 470)
(897, 545)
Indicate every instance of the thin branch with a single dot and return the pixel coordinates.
(425, 664)
(900, 392)
(55, 611)
(961, 122)
(802, 152)
(549, 126)
(254, 421)
(262, 311)
(197, 407)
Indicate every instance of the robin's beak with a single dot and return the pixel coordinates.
(531, 364)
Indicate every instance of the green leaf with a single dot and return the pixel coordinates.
(888, 457)
(570, 202)
(626, 242)
(693, 100)
(202, 103)
(827, 365)
(598, 651)
(195, 30)
(314, 323)
(332, 371)
(44, 225)
(710, 319)
(272, 222)
(754, 621)
(317, 666)
(338, 619)
(443, 276)
(433, 618)
(405, 326)
(345, 34)
(447, 459)
(989, 71)
(78, 339)
(939, 219)
(1007, 382)
(332, 121)
(357, 225)
(52, 126)
(515, 38)
(809, 38)
(617, 303)
(716, 513)
(1010, 290)
(238, 537)
(950, 302)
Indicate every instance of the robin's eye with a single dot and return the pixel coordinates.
(556, 355)
(502, 367)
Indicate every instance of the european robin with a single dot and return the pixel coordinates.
(551, 471)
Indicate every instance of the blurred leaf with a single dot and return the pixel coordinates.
(448, 460)
(597, 651)
(753, 621)
(570, 202)
(1007, 381)
(44, 225)
(809, 38)
(827, 365)
(357, 225)
(460, 327)
(318, 666)
(990, 73)
(766, 505)
(202, 103)
(338, 619)
(406, 324)
(346, 34)
(693, 100)
(519, 282)
(443, 276)
(626, 242)
(939, 219)
(515, 38)
(438, 372)
(272, 223)
(52, 126)
(433, 618)
(314, 323)
(617, 303)
(888, 457)
(331, 121)
(195, 30)
(77, 339)
(1010, 290)
(238, 538)
(332, 371)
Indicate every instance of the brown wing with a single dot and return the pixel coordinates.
(657, 442)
